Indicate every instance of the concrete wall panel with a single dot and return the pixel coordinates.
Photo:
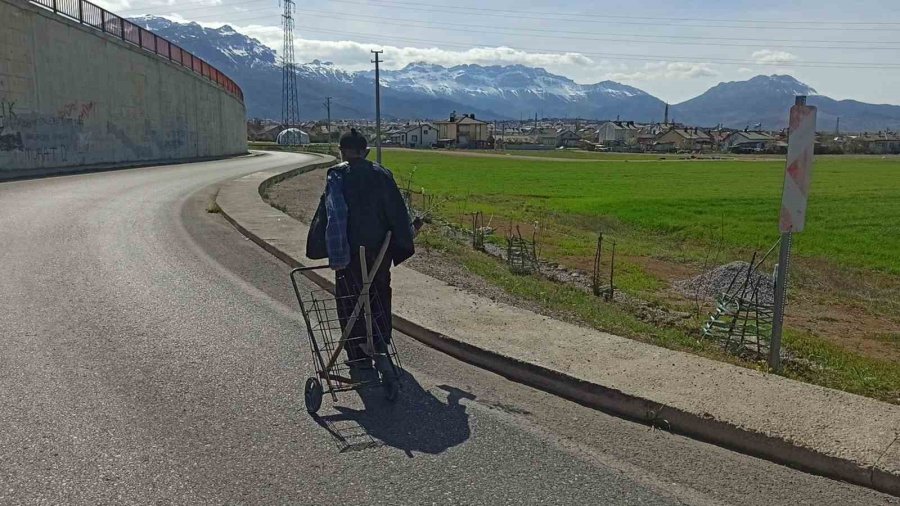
(71, 96)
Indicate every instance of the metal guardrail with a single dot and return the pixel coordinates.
(94, 16)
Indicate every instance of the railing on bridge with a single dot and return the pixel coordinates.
(96, 17)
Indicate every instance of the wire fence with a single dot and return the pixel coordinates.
(94, 16)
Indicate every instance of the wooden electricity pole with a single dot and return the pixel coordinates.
(376, 61)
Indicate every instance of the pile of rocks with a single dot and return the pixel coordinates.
(716, 281)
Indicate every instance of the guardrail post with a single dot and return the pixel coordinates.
(122, 28)
(140, 37)
(54, 6)
(81, 11)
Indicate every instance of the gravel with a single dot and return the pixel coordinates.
(719, 280)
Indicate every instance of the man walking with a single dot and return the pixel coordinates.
(361, 204)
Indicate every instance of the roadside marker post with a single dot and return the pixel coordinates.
(797, 175)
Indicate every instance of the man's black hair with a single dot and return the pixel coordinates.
(353, 140)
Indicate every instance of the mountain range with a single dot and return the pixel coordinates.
(423, 90)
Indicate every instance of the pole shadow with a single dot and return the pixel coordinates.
(417, 422)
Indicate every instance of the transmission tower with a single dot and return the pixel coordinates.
(290, 101)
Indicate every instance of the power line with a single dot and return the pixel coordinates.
(602, 20)
(621, 56)
(467, 8)
(543, 14)
(560, 34)
(557, 34)
(607, 55)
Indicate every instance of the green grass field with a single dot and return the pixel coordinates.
(853, 215)
(575, 154)
(672, 219)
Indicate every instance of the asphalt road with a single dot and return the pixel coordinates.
(151, 354)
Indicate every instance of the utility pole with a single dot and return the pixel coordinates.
(328, 123)
(376, 61)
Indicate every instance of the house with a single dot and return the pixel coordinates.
(746, 142)
(881, 143)
(618, 133)
(683, 139)
(547, 136)
(463, 132)
(262, 131)
(647, 134)
(566, 138)
(419, 135)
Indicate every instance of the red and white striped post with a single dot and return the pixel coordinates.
(798, 171)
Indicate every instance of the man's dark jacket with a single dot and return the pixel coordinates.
(375, 206)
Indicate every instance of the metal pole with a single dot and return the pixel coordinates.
(781, 277)
(376, 61)
(612, 268)
(784, 257)
(328, 121)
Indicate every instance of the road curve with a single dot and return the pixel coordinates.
(149, 354)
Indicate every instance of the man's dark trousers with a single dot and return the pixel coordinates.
(348, 285)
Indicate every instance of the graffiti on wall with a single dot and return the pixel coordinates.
(78, 111)
(33, 139)
(9, 140)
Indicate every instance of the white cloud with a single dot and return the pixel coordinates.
(772, 57)
(353, 56)
(745, 70)
(666, 70)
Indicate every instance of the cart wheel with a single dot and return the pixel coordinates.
(313, 395)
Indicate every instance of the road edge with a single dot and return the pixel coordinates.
(74, 170)
(596, 396)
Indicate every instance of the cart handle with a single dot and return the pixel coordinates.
(313, 268)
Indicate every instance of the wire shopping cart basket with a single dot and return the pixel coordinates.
(352, 323)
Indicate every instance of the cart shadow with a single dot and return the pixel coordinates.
(417, 422)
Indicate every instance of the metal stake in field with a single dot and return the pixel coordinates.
(376, 61)
(801, 143)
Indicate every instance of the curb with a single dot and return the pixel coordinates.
(610, 400)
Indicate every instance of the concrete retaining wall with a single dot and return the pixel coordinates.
(72, 97)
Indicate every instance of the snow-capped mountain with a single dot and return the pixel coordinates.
(221, 47)
(765, 100)
(520, 91)
(423, 90)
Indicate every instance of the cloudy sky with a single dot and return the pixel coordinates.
(674, 50)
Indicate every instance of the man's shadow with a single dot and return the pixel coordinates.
(416, 422)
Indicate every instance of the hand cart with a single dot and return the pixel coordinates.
(331, 326)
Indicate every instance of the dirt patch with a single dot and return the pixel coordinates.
(298, 196)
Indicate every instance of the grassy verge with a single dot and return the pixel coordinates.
(820, 362)
(212, 206)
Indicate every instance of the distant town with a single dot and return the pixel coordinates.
(465, 131)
